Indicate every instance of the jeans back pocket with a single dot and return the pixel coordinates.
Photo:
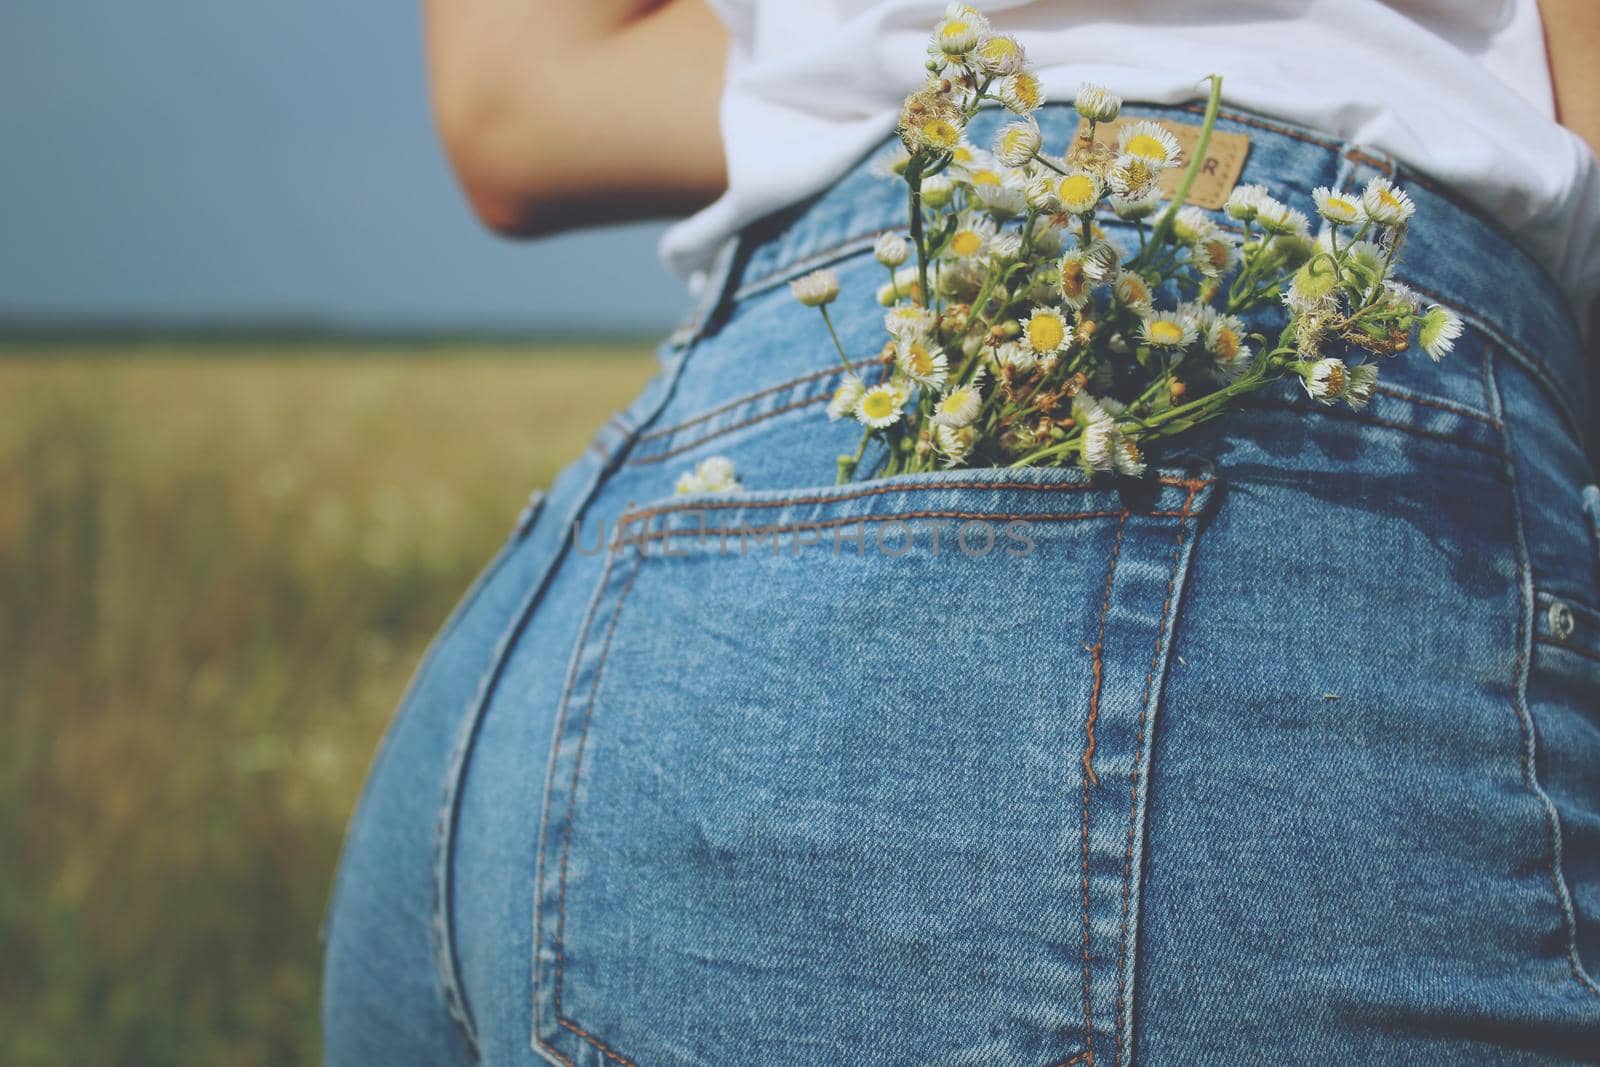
(844, 774)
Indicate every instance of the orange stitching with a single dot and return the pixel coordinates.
(827, 524)
(1138, 750)
(561, 722)
(774, 413)
(628, 518)
(1098, 661)
(668, 431)
(1442, 405)
(1085, 1057)
(596, 1042)
(1088, 985)
(566, 843)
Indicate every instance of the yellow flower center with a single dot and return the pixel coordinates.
(1025, 88)
(1077, 190)
(1134, 291)
(985, 177)
(953, 403)
(1074, 282)
(877, 404)
(1166, 332)
(1046, 332)
(1016, 141)
(962, 154)
(940, 133)
(920, 359)
(1389, 200)
(955, 29)
(1334, 383)
(1227, 343)
(998, 49)
(1338, 205)
(1147, 146)
(1216, 253)
(966, 243)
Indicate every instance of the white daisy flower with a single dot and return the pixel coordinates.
(1438, 332)
(1075, 284)
(1097, 103)
(1133, 176)
(1245, 202)
(890, 165)
(1192, 225)
(713, 474)
(938, 133)
(1132, 290)
(1017, 143)
(843, 401)
(1006, 246)
(1281, 220)
(1150, 141)
(816, 289)
(1387, 204)
(1021, 92)
(1000, 55)
(1168, 329)
(1099, 441)
(1131, 209)
(1338, 208)
(880, 406)
(1325, 380)
(1403, 295)
(1126, 456)
(1040, 194)
(955, 442)
(1015, 355)
(1005, 199)
(1045, 331)
(964, 156)
(959, 406)
(956, 35)
(891, 250)
(970, 238)
(1216, 255)
(1079, 192)
(1223, 336)
(908, 322)
(1101, 261)
(922, 362)
(1363, 377)
(937, 191)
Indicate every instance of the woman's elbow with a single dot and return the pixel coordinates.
(491, 143)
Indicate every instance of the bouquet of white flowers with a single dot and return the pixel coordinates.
(1018, 335)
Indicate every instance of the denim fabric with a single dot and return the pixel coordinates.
(1288, 754)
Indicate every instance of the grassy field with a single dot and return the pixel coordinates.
(216, 573)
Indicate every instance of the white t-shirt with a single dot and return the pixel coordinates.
(1458, 89)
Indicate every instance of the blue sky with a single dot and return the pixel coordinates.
(188, 160)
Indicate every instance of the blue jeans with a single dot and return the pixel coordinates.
(1289, 754)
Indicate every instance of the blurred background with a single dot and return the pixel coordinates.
(268, 399)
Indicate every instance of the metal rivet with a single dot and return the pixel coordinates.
(1561, 622)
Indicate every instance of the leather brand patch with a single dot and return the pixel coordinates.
(1219, 173)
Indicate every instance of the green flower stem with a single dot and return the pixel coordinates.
(835, 335)
(1169, 217)
(918, 238)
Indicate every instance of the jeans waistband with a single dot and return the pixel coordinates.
(1455, 255)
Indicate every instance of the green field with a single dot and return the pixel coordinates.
(216, 574)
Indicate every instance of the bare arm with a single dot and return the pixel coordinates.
(559, 113)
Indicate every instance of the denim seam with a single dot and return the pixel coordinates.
(568, 685)
(1519, 699)
(1584, 652)
(734, 405)
(1274, 403)
(710, 435)
(850, 520)
(1087, 759)
(566, 842)
(645, 514)
(1123, 1007)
